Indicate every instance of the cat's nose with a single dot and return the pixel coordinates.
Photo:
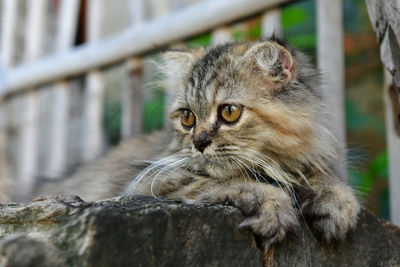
(202, 141)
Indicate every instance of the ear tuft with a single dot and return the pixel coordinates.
(177, 60)
(180, 61)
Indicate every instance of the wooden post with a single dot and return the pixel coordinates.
(221, 35)
(157, 11)
(58, 120)
(35, 27)
(66, 30)
(4, 175)
(392, 108)
(330, 56)
(159, 7)
(8, 23)
(94, 94)
(27, 170)
(132, 97)
(9, 17)
(271, 23)
(67, 24)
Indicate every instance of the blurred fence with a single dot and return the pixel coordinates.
(43, 125)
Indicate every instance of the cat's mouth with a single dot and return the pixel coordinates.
(212, 166)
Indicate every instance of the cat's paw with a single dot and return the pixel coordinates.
(273, 221)
(334, 212)
(245, 201)
(269, 210)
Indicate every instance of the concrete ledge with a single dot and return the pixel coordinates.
(145, 231)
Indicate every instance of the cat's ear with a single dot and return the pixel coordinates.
(273, 59)
(178, 61)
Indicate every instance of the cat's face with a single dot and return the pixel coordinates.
(239, 106)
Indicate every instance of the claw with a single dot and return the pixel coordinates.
(269, 242)
(246, 224)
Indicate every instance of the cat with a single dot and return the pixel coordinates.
(248, 127)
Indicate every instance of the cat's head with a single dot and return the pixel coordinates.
(243, 104)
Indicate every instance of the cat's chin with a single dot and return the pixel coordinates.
(215, 168)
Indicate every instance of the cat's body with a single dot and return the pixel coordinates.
(247, 128)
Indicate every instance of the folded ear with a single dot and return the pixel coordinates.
(273, 59)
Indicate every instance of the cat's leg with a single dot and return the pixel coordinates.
(269, 209)
(331, 207)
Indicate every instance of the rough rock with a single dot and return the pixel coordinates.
(144, 231)
(20, 250)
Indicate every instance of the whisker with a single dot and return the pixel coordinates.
(176, 164)
(154, 165)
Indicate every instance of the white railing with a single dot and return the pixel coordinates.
(126, 47)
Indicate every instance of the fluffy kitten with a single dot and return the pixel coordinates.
(248, 129)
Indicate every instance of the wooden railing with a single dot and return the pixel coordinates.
(54, 72)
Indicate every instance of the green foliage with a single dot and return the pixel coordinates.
(292, 16)
(356, 16)
(238, 35)
(298, 22)
(357, 120)
(112, 120)
(305, 42)
(254, 32)
(377, 169)
(364, 180)
(153, 113)
(201, 40)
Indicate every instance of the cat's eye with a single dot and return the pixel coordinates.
(188, 119)
(231, 113)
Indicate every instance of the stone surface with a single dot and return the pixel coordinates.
(20, 250)
(144, 231)
(140, 232)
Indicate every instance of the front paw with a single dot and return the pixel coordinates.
(269, 210)
(334, 212)
(246, 202)
(273, 221)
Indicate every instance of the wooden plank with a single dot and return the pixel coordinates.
(67, 24)
(184, 23)
(132, 97)
(8, 23)
(9, 17)
(28, 151)
(330, 59)
(5, 180)
(271, 23)
(392, 109)
(35, 26)
(94, 91)
(58, 121)
(137, 10)
(58, 127)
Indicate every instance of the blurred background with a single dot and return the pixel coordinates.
(363, 92)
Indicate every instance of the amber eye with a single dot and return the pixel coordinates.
(187, 119)
(231, 113)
